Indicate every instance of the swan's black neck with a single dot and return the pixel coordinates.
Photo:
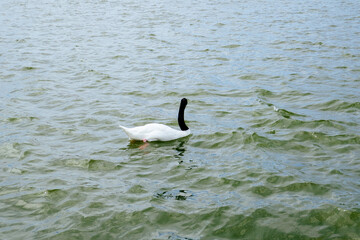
(181, 120)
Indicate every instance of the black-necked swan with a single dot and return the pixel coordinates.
(159, 132)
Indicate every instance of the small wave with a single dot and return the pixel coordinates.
(336, 105)
(262, 191)
(137, 189)
(244, 139)
(299, 124)
(309, 187)
(56, 194)
(279, 179)
(224, 182)
(287, 114)
(20, 119)
(90, 164)
(231, 46)
(325, 139)
(28, 68)
(314, 188)
(174, 194)
(10, 150)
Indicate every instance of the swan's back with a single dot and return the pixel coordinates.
(154, 132)
(160, 132)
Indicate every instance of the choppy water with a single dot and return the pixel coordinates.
(274, 100)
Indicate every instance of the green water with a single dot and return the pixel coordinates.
(274, 100)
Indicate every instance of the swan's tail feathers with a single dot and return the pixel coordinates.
(125, 129)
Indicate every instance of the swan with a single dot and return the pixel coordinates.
(159, 132)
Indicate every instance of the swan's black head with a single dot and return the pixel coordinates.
(181, 120)
(183, 102)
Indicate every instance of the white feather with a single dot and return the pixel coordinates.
(160, 132)
(154, 132)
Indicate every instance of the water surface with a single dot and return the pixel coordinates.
(274, 100)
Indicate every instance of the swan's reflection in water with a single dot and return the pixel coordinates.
(177, 148)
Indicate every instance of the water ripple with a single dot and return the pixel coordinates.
(273, 94)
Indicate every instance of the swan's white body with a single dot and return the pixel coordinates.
(154, 132)
(160, 132)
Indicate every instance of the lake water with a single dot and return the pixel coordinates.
(274, 102)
